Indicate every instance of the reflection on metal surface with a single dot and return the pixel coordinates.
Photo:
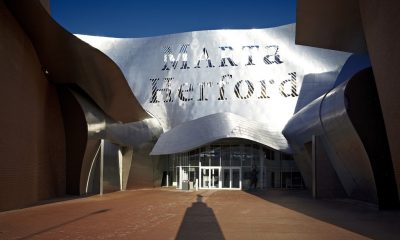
(100, 126)
(255, 74)
(327, 117)
(136, 134)
(207, 129)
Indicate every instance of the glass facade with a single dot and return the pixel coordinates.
(231, 164)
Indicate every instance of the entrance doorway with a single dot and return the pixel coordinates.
(188, 175)
(220, 177)
(210, 177)
(231, 177)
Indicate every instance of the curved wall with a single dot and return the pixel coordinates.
(367, 26)
(181, 78)
(204, 130)
(349, 125)
(45, 143)
(345, 148)
(76, 137)
(69, 60)
(32, 145)
(365, 113)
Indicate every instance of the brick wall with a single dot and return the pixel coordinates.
(32, 145)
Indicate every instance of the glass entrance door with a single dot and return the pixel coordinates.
(226, 178)
(231, 177)
(236, 174)
(187, 174)
(205, 178)
(210, 177)
(214, 177)
(220, 177)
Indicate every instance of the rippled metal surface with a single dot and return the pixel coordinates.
(192, 134)
(134, 134)
(350, 161)
(327, 117)
(256, 74)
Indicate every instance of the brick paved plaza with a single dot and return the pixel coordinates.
(171, 214)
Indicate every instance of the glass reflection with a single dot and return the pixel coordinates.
(231, 166)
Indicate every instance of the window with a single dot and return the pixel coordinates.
(194, 158)
(204, 157)
(215, 154)
(269, 154)
(248, 156)
(225, 155)
(287, 157)
(236, 155)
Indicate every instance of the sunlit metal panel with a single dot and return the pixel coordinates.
(256, 74)
(192, 134)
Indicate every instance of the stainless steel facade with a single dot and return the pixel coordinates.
(190, 89)
(211, 85)
(202, 87)
(220, 85)
(340, 139)
(327, 117)
(367, 27)
(195, 133)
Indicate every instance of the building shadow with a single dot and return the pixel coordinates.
(199, 222)
(63, 224)
(355, 216)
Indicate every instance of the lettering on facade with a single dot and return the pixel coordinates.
(171, 60)
(243, 89)
(162, 87)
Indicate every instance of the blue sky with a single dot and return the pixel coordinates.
(133, 18)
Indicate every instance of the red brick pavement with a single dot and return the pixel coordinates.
(206, 214)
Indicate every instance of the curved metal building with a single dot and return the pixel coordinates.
(206, 79)
(224, 98)
(221, 109)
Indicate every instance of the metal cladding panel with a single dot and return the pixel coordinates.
(351, 162)
(256, 74)
(136, 135)
(100, 126)
(327, 117)
(192, 134)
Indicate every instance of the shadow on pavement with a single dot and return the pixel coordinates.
(64, 223)
(355, 216)
(199, 222)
